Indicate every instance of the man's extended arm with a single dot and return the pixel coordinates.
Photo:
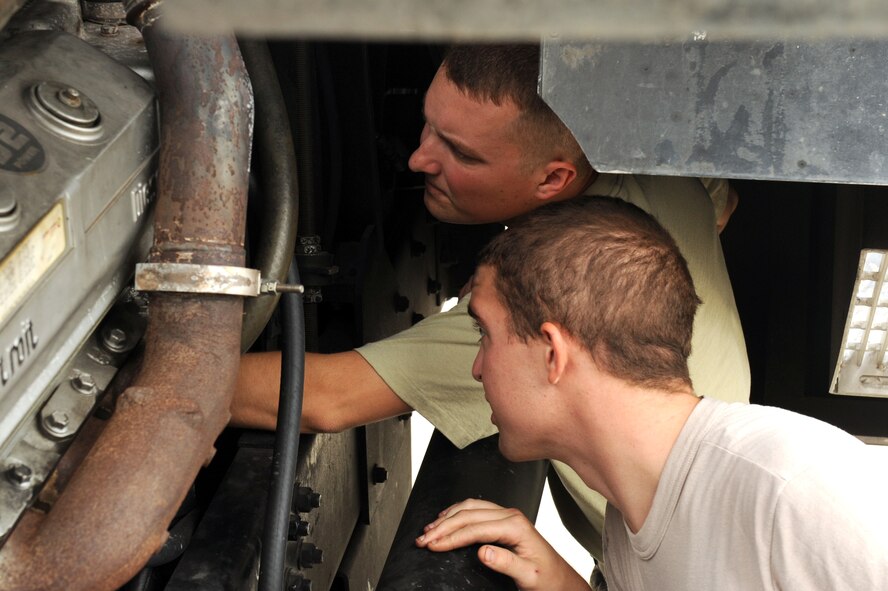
(342, 391)
(427, 367)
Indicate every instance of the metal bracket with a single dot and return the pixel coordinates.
(213, 279)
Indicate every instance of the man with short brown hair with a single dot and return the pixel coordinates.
(482, 163)
(702, 494)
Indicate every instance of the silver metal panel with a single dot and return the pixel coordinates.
(530, 19)
(41, 441)
(815, 111)
(102, 187)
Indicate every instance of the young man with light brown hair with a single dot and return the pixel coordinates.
(585, 311)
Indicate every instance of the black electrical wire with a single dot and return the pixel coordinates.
(286, 443)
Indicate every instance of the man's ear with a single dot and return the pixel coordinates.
(559, 174)
(557, 351)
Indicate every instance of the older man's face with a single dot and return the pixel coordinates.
(476, 170)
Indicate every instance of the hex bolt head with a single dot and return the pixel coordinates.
(115, 340)
(312, 295)
(84, 382)
(378, 475)
(20, 475)
(299, 528)
(57, 422)
(310, 555)
(401, 303)
(297, 582)
(305, 499)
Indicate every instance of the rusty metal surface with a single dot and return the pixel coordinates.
(104, 12)
(114, 513)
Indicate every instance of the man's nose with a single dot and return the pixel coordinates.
(423, 159)
(476, 366)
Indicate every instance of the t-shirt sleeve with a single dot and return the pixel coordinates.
(718, 192)
(429, 366)
(718, 363)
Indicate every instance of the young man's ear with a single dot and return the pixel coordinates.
(556, 351)
(559, 174)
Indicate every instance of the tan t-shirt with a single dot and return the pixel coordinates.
(757, 498)
(429, 365)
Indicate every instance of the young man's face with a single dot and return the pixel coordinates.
(512, 372)
(475, 167)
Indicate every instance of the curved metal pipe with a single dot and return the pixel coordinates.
(274, 159)
(113, 515)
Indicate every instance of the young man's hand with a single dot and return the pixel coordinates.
(527, 557)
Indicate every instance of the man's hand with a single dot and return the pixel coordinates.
(527, 558)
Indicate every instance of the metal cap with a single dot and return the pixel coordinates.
(67, 103)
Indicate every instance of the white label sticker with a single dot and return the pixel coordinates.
(30, 260)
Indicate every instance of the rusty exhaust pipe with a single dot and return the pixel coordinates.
(113, 515)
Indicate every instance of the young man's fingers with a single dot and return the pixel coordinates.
(461, 506)
(524, 572)
(504, 526)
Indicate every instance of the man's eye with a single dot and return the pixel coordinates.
(479, 328)
(462, 157)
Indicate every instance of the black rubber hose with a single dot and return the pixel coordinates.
(327, 91)
(274, 159)
(303, 65)
(306, 156)
(286, 443)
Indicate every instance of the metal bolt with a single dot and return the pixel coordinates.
(299, 528)
(84, 382)
(20, 475)
(306, 499)
(57, 422)
(296, 582)
(313, 295)
(70, 96)
(310, 555)
(115, 340)
(401, 303)
(378, 475)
